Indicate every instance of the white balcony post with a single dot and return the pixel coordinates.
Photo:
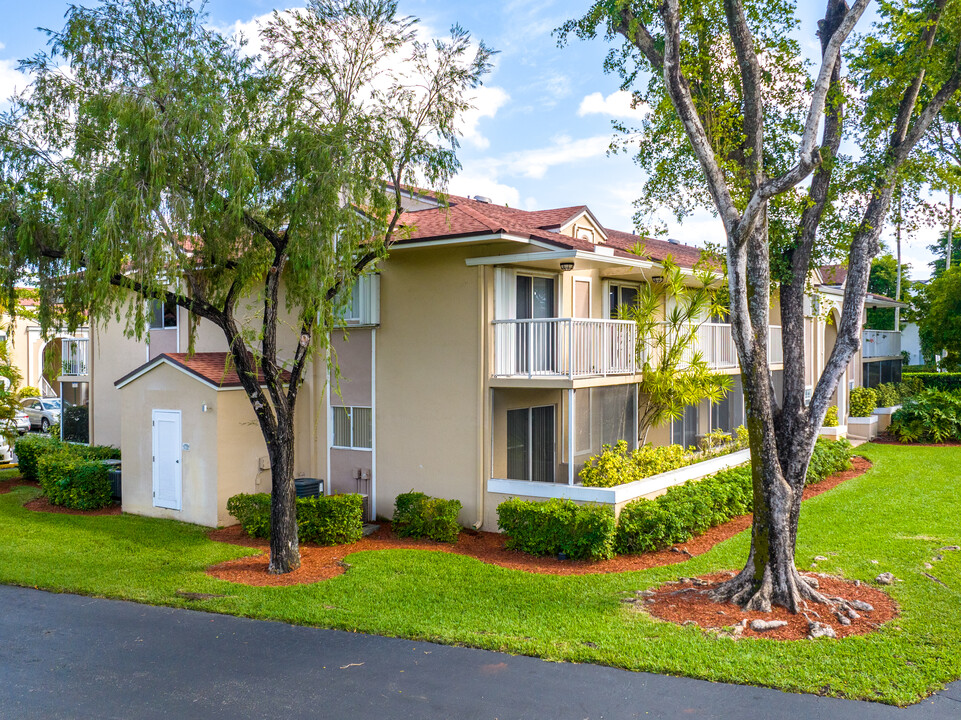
(570, 436)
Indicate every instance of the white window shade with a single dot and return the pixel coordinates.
(364, 306)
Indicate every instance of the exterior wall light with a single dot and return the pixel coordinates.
(567, 266)
(657, 279)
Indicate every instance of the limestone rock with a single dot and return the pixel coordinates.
(819, 630)
(885, 578)
(766, 625)
(820, 557)
(950, 547)
(861, 605)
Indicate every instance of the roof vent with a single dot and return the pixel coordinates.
(673, 241)
(481, 198)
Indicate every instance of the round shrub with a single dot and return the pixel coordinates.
(831, 417)
(863, 402)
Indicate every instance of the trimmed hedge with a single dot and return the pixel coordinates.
(422, 516)
(935, 380)
(931, 416)
(30, 448)
(71, 481)
(558, 526)
(330, 519)
(684, 511)
(325, 520)
(863, 402)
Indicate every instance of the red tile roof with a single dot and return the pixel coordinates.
(209, 366)
(834, 274)
(465, 217)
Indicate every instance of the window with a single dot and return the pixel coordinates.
(163, 314)
(684, 429)
(352, 428)
(729, 413)
(530, 444)
(364, 305)
(621, 296)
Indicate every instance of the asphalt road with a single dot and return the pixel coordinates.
(67, 656)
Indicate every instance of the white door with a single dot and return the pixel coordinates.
(167, 466)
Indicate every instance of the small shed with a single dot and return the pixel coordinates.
(190, 439)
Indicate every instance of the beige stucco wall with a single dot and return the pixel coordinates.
(239, 445)
(429, 381)
(165, 388)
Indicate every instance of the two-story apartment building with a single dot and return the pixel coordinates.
(483, 360)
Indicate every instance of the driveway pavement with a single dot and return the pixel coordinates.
(67, 656)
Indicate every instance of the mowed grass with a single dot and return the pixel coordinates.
(898, 514)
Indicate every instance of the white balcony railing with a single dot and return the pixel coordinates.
(715, 342)
(881, 343)
(74, 357)
(573, 347)
(563, 347)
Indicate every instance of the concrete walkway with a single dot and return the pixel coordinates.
(66, 656)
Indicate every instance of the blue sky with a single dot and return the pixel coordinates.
(531, 142)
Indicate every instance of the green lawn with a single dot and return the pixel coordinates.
(899, 513)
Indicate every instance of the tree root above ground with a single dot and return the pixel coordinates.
(688, 601)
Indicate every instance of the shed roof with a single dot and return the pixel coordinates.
(211, 368)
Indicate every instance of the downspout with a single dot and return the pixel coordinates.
(482, 375)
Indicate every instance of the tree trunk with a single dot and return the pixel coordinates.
(284, 546)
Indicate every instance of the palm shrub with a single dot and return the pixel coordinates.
(863, 402)
(930, 416)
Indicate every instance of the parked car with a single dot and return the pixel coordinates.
(20, 422)
(42, 412)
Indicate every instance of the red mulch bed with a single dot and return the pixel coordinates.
(323, 563)
(10, 483)
(41, 504)
(685, 603)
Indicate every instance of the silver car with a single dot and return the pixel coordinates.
(43, 412)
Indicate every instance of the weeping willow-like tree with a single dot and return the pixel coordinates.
(741, 124)
(153, 158)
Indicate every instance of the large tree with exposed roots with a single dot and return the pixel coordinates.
(758, 138)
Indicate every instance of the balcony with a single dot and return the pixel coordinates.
(563, 348)
(74, 358)
(881, 343)
(716, 345)
(573, 347)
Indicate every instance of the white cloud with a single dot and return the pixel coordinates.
(564, 150)
(11, 80)
(617, 104)
(486, 101)
(470, 184)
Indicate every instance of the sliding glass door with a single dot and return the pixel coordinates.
(531, 444)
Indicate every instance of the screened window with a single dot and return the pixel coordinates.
(163, 314)
(353, 428)
(684, 429)
(729, 413)
(530, 444)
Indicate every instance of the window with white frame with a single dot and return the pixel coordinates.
(621, 295)
(162, 314)
(353, 428)
(363, 308)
